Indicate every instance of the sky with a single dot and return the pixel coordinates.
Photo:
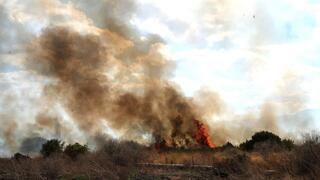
(249, 52)
(239, 46)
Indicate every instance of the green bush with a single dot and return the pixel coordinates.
(74, 150)
(261, 136)
(52, 146)
(264, 136)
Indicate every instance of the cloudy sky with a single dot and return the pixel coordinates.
(250, 52)
(244, 50)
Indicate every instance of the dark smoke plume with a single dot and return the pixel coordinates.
(113, 77)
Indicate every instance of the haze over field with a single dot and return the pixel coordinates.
(146, 70)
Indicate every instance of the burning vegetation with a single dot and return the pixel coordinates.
(199, 139)
(202, 135)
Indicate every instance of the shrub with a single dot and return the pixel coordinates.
(247, 146)
(74, 150)
(52, 146)
(228, 145)
(124, 153)
(312, 138)
(306, 159)
(264, 136)
(258, 137)
(287, 144)
(19, 156)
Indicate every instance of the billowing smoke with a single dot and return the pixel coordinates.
(288, 97)
(112, 76)
(108, 77)
(98, 76)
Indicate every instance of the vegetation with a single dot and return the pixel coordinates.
(51, 147)
(115, 160)
(119, 151)
(227, 145)
(19, 156)
(76, 149)
(282, 160)
(287, 144)
(267, 139)
(122, 160)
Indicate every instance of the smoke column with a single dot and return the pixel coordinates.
(112, 76)
(93, 71)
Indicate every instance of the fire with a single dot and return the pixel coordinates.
(202, 136)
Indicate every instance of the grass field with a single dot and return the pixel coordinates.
(128, 160)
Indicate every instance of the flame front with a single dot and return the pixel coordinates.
(202, 136)
(199, 138)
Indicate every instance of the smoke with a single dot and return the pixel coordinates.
(79, 66)
(237, 128)
(8, 131)
(281, 113)
(32, 145)
(98, 72)
(112, 76)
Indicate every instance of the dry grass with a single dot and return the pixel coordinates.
(118, 161)
(114, 161)
(302, 162)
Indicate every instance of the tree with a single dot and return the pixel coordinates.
(52, 146)
(262, 136)
(74, 150)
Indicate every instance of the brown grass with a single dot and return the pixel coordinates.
(118, 160)
(302, 162)
(113, 161)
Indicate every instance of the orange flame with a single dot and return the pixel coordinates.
(202, 136)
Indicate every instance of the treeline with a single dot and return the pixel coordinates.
(262, 140)
(55, 146)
